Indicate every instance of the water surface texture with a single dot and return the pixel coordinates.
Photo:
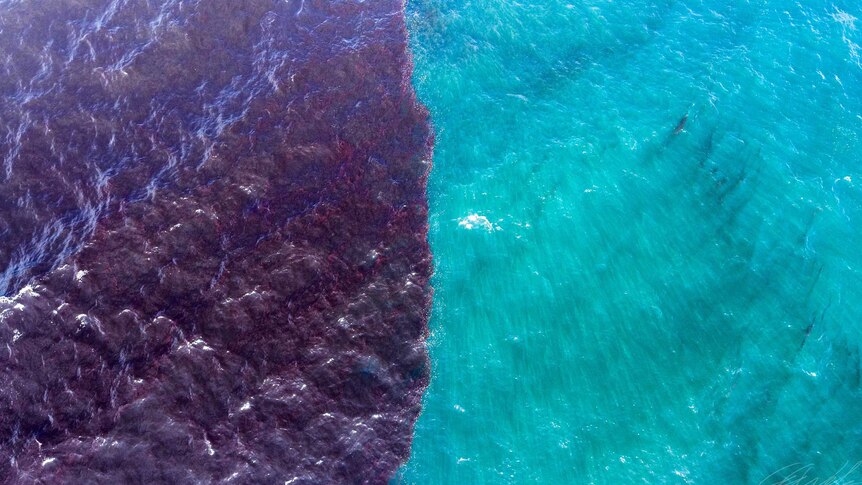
(213, 255)
(624, 297)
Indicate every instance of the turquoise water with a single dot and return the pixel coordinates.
(616, 303)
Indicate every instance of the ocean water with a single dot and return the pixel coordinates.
(624, 297)
(214, 263)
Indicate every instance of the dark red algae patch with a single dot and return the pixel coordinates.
(212, 241)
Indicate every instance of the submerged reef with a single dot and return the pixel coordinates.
(214, 241)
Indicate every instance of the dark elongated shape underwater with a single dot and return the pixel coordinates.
(214, 241)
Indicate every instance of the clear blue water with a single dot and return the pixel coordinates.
(616, 303)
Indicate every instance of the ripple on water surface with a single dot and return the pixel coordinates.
(213, 252)
(653, 304)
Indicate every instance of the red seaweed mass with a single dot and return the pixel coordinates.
(213, 252)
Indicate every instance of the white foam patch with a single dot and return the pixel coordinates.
(848, 24)
(844, 18)
(475, 221)
(27, 291)
(13, 301)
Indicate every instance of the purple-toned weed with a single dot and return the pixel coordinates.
(213, 246)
